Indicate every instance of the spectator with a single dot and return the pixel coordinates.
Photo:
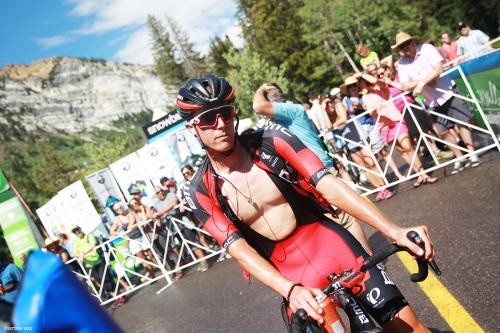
(23, 258)
(355, 106)
(139, 244)
(137, 194)
(189, 234)
(450, 47)
(336, 117)
(390, 124)
(472, 43)
(316, 114)
(422, 75)
(85, 251)
(54, 246)
(440, 49)
(421, 116)
(269, 101)
(165, 204)
(10, 279)
(67, 243)
(188, 172)
(367, 57)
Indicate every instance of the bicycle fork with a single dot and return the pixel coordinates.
(359, 319)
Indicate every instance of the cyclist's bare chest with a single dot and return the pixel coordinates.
(258, 202)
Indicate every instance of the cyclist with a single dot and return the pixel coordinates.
(294, 117)
(263, 197)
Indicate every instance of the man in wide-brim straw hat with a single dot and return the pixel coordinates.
(49, 242)
(403, 40)
(420, 70)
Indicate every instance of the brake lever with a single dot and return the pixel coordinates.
(421, 275)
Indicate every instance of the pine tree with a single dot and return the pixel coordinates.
(273, 29)
(194, 63)
(218, 48)
(169, 68)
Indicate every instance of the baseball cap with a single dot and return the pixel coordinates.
(135, 190)
(461, 25)
(326, 95)
(335, 91)
(169, 182)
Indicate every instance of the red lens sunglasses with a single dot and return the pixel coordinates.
(209, 117)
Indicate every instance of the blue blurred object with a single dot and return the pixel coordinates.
(51, 299)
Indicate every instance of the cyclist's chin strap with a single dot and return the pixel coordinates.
(223, 153)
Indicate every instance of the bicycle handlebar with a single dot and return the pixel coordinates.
(389, 250)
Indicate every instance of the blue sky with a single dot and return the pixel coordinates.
(110, 29)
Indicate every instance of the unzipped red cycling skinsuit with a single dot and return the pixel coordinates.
(318, 246)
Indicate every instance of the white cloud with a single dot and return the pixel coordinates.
(201, 19)
(50, 42)
(136, 49)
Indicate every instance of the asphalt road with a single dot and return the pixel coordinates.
(462, 213)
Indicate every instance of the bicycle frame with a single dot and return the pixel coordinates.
(342, 285)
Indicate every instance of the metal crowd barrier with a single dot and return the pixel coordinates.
(424, 137)
(121, 262)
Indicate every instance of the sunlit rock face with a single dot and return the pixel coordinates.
(73, 94)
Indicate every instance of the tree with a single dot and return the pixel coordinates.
(170, 68)
(350, 22)
(53, 172)
(102, 154)
(194, 63)
(218, 49)
(248, 72)
(273, 29)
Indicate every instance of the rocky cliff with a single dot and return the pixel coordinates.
(74, 95)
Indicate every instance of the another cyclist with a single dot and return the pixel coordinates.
(263, 197)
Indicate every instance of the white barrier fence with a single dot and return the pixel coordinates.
(123, 263)
(423, 139)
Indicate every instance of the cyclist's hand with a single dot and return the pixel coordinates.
(303, 297)
(402, 240)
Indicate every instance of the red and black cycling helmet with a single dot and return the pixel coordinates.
(200, 92)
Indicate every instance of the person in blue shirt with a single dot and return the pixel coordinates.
(269, 101)
(10, 277)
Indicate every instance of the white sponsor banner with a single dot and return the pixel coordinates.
(54, 217)
(185, 146)
(159, 162)
(107, 191)
(128, 173)
(79, 208)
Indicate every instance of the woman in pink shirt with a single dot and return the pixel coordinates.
(391, 125)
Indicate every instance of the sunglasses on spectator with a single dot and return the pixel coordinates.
(351, 86)
(405, 44)
(209, 117)
(185, 173)
(158, 192)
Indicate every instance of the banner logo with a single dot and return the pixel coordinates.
(100, 179)
(126, 166)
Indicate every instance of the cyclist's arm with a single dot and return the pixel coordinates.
(340, 195)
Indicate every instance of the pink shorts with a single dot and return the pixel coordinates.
(388, 134)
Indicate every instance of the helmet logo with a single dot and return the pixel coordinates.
(180, 97)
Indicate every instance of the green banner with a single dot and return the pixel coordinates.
(4, 184)
(483, 75)
(16, 229)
